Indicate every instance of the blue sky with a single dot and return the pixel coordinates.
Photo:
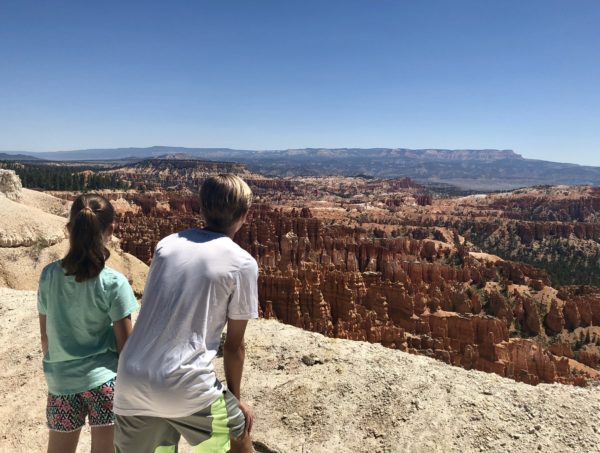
(275, 74)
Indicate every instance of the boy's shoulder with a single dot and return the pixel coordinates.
(171, 246)
(240, 256)
(169, 238)
(247, 259)
(174, 239)
(198, 236)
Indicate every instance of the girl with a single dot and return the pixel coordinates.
(85, 317)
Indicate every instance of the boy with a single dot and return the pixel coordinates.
(199, 280)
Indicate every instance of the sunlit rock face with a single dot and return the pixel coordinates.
(391, 262)
(10, 185)
(404, 293)
(429, 295)
(23, 225)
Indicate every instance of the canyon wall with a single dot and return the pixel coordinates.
(420, 294)
(388, 261)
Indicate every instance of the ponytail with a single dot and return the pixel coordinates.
(91, 215)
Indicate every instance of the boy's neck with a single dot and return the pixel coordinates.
(229, 233)
(231, 230)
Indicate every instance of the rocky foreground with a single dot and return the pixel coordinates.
(316, 394)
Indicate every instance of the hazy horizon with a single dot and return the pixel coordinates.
(289, 148)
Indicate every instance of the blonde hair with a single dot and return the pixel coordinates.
(224, 199)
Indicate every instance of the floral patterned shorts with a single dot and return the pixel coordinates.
(67, 413)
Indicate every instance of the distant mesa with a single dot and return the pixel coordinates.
(419, 154)
(481, 170)
(333, 153)
(176, 156)
(183, 161)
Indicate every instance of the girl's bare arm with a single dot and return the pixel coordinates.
(43, 335)
(122, 329)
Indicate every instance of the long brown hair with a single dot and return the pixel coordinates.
(91, 215)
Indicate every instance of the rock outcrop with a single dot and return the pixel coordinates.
(419, 294)
(384, 261)
(22, 225)
(340, 282)
(32, 235)
(10, 185)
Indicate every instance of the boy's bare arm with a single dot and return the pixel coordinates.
(234, 355)
(43, 335)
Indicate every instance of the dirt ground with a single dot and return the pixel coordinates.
(313, 394)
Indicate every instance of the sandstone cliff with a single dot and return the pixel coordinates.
(33, 235)
(415, 289)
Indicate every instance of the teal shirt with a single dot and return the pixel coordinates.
(82, 352)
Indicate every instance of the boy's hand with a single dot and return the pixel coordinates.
(249, 415)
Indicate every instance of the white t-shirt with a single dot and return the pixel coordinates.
(198, 279)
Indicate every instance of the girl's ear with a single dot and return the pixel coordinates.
(109, 231)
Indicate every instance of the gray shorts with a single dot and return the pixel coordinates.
(208, 430)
